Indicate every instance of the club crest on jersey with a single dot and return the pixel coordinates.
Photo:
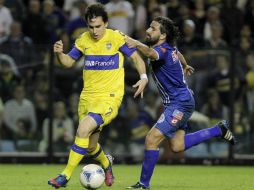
(108, 45)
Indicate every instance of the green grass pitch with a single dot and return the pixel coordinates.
(166, 177)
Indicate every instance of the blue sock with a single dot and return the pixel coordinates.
(195, 138)
(151, 157)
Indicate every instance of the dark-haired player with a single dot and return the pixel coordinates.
(103, 50)
(168, 73)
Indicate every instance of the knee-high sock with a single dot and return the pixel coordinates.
(78, 150)
(151, 157)
(99, 155)
(195, 138)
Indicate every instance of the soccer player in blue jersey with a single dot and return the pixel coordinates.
(166, 65)
(103, 50)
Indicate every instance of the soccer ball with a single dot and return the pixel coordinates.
(92, 176)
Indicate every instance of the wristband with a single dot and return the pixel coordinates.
(143, 76)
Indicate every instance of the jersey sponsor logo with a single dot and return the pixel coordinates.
(101, 62)
(161, 119)
(108, 45)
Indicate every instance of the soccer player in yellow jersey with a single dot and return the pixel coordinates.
(103, 50)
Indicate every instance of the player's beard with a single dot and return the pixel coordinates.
(151, 41)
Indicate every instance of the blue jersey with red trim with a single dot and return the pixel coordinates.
(168, 75)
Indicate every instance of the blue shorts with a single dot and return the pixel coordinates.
(175, 117)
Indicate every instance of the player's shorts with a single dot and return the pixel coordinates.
(175, 117)
(102, 109)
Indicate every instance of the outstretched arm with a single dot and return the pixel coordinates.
(63, 58)
(144, 49)
(141, 68)
(151, 53)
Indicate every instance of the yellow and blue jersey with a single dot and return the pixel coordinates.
(103, 72)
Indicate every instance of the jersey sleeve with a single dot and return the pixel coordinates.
(119, 36)
(126, 50)
(75, 53)
(77, 50)
(161, 52)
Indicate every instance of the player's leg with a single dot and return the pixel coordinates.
(78, 150)
(110, 108)
(176, 143)
(219, 130)
(152, 142)
(96, 152)
(178, 117)
(182, 141)
(166, 126)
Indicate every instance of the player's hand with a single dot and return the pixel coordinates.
(141, 84)
(189, 70)
(131, 43)
(58, 47)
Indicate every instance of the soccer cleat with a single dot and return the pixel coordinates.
(226, 133)
(109, 177)
(59, 181)
(138, 185)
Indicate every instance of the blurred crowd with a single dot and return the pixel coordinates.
(216, 39)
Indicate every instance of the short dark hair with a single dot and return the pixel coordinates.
(168, 27)
(96, 10)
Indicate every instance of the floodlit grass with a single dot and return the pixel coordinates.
(166, 177)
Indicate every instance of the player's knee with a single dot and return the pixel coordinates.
(177, 142)
(82, 132)
(177, 147)
(150, 141)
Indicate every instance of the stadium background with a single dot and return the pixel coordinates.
(216, 39)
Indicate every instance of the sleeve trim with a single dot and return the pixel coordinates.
(158, 56)
(75, 53)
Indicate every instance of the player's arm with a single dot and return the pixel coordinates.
(144, 49)
(188, 70)
(63, 59)
(141, 68)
